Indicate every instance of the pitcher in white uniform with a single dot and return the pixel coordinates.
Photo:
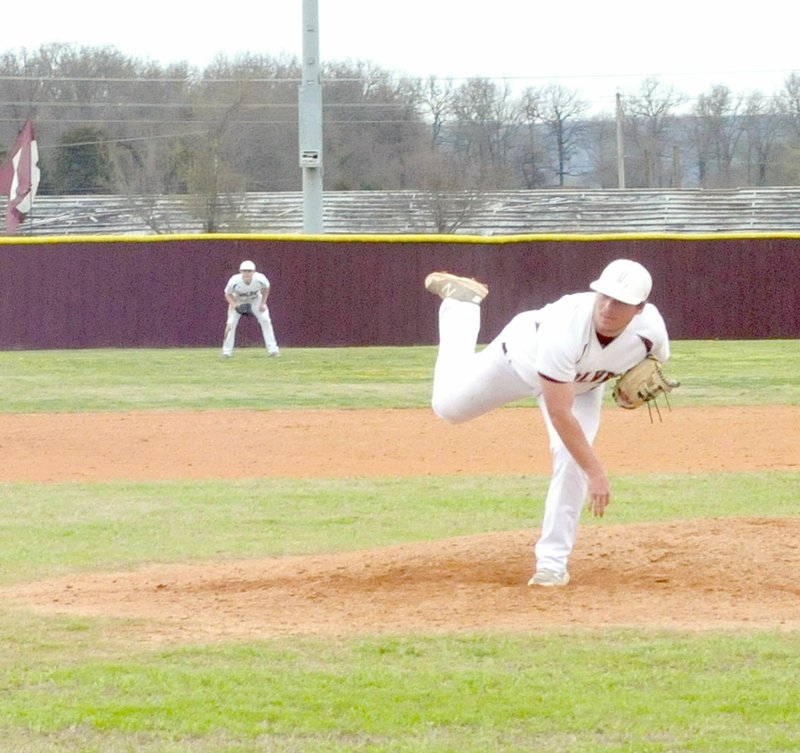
(247, 293)
(562, 354)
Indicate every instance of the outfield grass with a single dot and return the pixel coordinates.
(78, 684)
(711, 372)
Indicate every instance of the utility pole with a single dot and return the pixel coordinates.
(677, 170)
(310, 122)
(620, 145)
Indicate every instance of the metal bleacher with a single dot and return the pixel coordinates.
(491, 213)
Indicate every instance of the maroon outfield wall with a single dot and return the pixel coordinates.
(166, 292)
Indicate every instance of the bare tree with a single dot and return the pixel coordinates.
(789, 103)
(761, 125)
(486, 119)
(256, 95)
(786, 170)
(372, 126)
(561, 112)
(650, 132)
(211, 180)
(717, 132)
(158, 104)
(233, 127)
(531, 148)
(599, 140)
(64, 88)
(436, 103)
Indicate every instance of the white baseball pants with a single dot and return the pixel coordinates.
(468, 384)
(233, 322)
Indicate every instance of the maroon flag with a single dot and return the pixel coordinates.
(19, 177)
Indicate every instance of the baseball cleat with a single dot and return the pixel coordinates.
(545, 577)
(464, 289)
(275, 354)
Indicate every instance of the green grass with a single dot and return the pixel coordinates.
(51, 529)
(83, 684)
(711, 372)
(624, 692)
(191, 379)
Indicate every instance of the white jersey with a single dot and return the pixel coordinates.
(559, 342)
(247, 293)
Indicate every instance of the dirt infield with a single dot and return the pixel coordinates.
(693, 575)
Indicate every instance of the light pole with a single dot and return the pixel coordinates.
(310, 122)
(620, 145)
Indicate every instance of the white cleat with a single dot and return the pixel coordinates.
(549, 578)
(446, 285)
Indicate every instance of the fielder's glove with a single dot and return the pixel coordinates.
(642, 383)
(245, 309)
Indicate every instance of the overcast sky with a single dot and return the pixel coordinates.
(593, 47)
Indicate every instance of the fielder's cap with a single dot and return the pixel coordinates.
(624, 280)
(247, 266)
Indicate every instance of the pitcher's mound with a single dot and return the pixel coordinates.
(692, 575)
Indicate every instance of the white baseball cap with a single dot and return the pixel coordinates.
(624, 280)
(247, 266)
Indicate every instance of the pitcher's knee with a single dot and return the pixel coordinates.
(447, 410)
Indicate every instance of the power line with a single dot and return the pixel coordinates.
(191, 79)
(205, 105)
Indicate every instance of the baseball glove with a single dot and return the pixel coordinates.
(642, 383)
(245, 309)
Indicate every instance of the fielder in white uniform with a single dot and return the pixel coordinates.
(562, 354)
(250, 288)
